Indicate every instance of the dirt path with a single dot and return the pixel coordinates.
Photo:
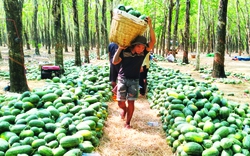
(141, 140)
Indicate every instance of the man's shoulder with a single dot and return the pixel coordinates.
(113, 45)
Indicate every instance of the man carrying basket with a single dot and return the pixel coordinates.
(131, 59)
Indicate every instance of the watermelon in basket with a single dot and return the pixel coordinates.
(125, 27)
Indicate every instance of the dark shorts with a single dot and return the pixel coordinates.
(127, 89)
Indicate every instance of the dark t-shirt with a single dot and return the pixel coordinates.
(114, 69)
(112, 49)
(131, 64)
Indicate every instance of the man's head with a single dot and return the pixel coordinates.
(139, 44)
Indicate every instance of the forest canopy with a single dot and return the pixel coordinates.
(237, 22)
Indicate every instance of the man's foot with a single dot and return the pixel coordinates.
(114, 98)
(127, 126)
(142, 95)
(123, 114)
(114, 92)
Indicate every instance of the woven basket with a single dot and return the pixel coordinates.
(125, 27)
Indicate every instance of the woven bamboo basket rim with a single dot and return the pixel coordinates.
(125, 27)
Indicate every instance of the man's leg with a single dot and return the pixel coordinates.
(123, 107)
(132, 96)
(145, 81)
(113, 84)
(114, 90)
(145, 86)
(130, 111)
(141, 83)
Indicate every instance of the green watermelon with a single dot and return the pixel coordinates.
(121, 7)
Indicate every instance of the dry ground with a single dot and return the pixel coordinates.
(145, 140)
(141, 140)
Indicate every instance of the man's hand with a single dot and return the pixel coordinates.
(141, 70)
(152, 34)
(148, 20)
(122, 47)
(116, 58)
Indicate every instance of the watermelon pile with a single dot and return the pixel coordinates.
(196, 117)
(232, 78)
(132, 11)
(63, 118)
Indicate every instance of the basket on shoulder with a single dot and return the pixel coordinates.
(127, 23)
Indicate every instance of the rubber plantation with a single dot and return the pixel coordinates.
(67, 115)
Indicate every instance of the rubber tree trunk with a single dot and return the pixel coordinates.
(58, 34)
(206, 17)
(238, 27)
(78, 61)
(35, 31)
(48, 5)
(104, 27)
(247, 27)
(26, 39)
(176, 25)
(45, 21)
(219, 57)
(86, 29)
(65, 38)
(1, 38)
(1, 44)
(197, 64)
(163, 34)
(13, 12)
(98, 30)
(186, 33)
(170, 10)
